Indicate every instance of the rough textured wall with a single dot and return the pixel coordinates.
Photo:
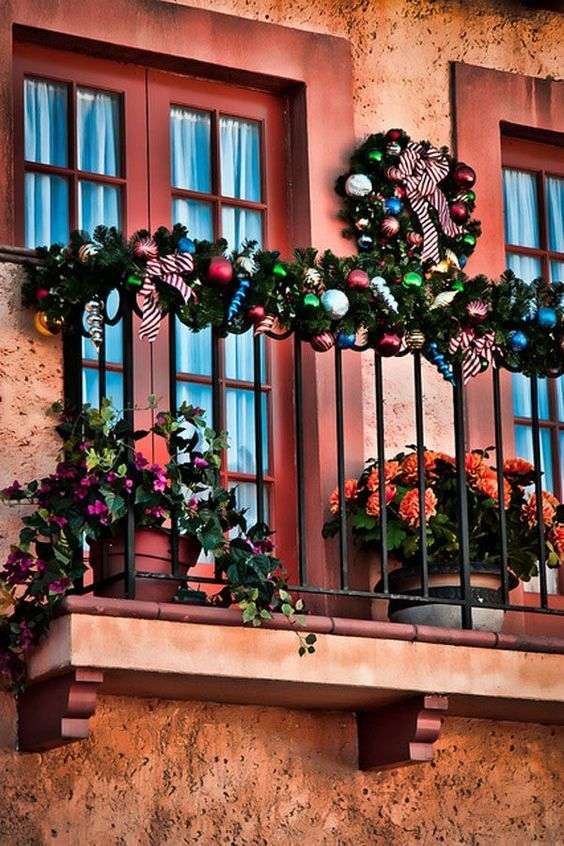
(173, 773)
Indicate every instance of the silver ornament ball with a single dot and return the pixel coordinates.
(335, 303)
(358, 185)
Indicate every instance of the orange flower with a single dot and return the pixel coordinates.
(409, 507)
(549, 503)
(487, 485)
(443, 456)
(518, 470)
(556, 537)
(475, 466)
(373, 501)
(351, 492)
(391, 470)
(409, 467)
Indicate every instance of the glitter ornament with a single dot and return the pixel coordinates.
(381, 289)
(477, 311)
(323, 342)
(87, 251)
(95, 321)
(358, 185)
(335, 303)
(313, 281)
(390, 227)
(358, 279)
(145, 248)
(415, 339)
(414, 239)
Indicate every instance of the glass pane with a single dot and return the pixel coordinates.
(521, 208)
(560, 397)
(114, 389)
(45, 107)
(240, 410)
(46, 210)
(98, 132)
(246, 497)
(193, 350)
(98, 205)
(555, 213)
(239, 357)
(90, 387)
(195, 216)
(239, 225)
(522, 396)
(526, 268)
(524, 449)
(190, 147)
(194, 394)
(557, 271)
(240, 158)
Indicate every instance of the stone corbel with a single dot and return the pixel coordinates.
(400, 734)
(57, 710)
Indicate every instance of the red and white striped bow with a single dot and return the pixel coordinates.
(422, 168)
(477, 351)
(168, 270)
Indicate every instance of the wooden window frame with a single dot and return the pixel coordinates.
(489, 104)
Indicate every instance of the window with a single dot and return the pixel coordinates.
(125, 146)
(533, 191)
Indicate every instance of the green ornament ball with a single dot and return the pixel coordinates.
(279, 270)
(311, 301)
(458, 285)
(471, 196)
(133, 281)
(375, 155)
(412, 280)
(470, 240)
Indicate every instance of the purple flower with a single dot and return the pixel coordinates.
(200, 463)
(193, 504)
(58, 521)
(156, 511)
(25, 637)
(98, 509)
(17, 567)
(111, 476)
(128, 485)
(139, 460)
(160, 419)
(59, 585)
(12, 490)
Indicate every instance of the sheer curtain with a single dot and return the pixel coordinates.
(240, 159)
(45, 141)
(98, 128)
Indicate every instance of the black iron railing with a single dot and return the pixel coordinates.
(341, 582)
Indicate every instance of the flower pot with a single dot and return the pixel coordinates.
(152, 555)
(444, 581)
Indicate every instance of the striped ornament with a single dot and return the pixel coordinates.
(422, 169)
(168, 270)
(269, 325)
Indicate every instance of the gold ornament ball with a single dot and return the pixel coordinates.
(45, 325)
(415, 339)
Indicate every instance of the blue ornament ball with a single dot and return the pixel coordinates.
(547, 317)
(518, 341)
(186, 245)
(345, 342)
(393, 205)
(365, 243)
(462, 261)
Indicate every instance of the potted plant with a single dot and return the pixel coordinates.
(362, 501)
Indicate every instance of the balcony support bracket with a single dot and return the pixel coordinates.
(57, 710)
(400, 734)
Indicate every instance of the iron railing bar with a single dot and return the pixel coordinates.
(216, 387)
(420, 447)
(535, 434)
(128, 414)
(300, 460)
(498, 438)
(462, 504)
(381, 455)
(173, 410)
(259, 453)
(102, 367)
(340, 429)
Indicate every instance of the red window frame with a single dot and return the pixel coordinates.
(147, 201)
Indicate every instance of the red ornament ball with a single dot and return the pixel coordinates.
(256, 313)
(414, 239)
(41, 293)
(388, 344)
(323, 342)
(220, 271)
(358, 280)
(390, 227)
(464, 175)
(400, 192)
(459, 212)
(393, 134)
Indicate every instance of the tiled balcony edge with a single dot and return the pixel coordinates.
(106, 607)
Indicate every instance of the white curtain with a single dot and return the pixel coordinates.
(190, 149)
(521, 208)
(98, 132)
(555, 212)
(240, 159)
(196, 217)
(239, 225)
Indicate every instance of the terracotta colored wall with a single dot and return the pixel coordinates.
(173, 773)
(165, 772)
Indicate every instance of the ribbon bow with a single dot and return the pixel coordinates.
(475, 350)
(422, 168)
(168, 270)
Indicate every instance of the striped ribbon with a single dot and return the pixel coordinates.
(168, 270)
(422, 168)
(477, 351)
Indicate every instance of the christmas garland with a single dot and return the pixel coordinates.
(405, 290)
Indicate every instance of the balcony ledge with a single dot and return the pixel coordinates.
(167, 651)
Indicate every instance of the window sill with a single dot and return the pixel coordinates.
(185, 652)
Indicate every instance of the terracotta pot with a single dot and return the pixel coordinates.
(152, 555)
(444, 581)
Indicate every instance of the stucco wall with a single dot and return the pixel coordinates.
(165, 772)
(182, 772)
